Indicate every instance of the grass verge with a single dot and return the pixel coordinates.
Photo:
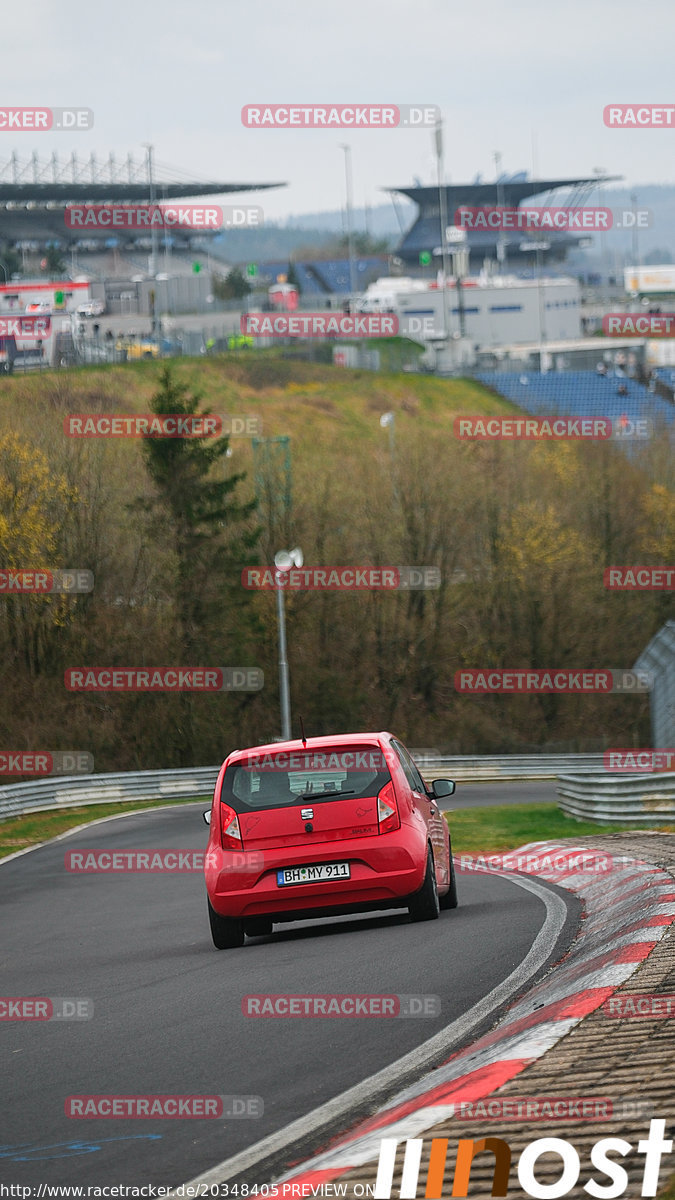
(479, 830)
(18, 833)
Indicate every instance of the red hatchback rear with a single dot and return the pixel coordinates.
(330, 826)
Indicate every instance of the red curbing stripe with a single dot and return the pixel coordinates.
(636, 952)
(578, 1004)
(474, 1086)
(662, 920)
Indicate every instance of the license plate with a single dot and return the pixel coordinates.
(314, 874)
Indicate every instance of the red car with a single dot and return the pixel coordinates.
(323, 827)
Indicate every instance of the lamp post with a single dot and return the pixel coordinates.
(153, 231)
(443, 214)
(600, 172)
(350, 239)
(283, 561)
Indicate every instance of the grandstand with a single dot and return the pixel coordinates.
(34, 193)
(424, 236)
(580, 394)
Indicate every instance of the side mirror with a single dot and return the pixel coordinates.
(207, 815)
(443, 787)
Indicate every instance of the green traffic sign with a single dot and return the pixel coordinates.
(425, 258)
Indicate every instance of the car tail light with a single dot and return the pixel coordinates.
(387, 809)
(230, 835)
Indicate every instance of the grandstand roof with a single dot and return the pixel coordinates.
(34, 192)
(506, 191)
(425, 233)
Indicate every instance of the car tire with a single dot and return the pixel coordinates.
(258, 926)
(449, 900)
(227, 932)
(425, 904)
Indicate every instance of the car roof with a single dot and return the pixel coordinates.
(297, 745)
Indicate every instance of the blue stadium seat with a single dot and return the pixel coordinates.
(580, 394)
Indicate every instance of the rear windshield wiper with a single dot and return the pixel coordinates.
(323, 795)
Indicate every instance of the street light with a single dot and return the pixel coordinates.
(153, 231)
(283, 561)
(350, 240)
(443, 214)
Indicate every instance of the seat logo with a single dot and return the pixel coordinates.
(307, 814)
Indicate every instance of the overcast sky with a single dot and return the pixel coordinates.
(523, 78)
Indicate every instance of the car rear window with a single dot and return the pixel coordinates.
(285, 778)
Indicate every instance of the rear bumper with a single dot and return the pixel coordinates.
(383, 871)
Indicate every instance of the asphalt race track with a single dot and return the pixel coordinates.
(167, 1006)
(484, 795)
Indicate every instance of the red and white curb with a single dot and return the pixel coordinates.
(628, 909)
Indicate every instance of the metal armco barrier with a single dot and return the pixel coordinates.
(74, 790)
(71, 791)
(608, 797)
(505, 767)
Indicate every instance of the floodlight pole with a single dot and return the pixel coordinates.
(443, 215)
(350, 239)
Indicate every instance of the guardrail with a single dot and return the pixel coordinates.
(73, 791)
(505, 767)
(606, 798)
